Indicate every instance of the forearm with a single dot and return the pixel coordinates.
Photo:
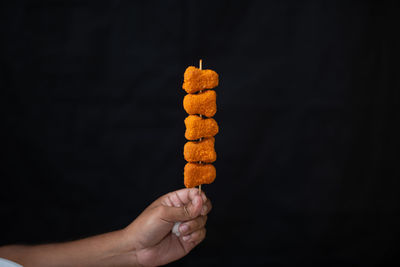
(103, 250)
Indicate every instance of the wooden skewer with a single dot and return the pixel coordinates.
(201, 67)
(201, 116)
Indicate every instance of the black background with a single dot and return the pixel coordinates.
(307, 168)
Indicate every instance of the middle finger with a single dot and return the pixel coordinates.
(192, 225)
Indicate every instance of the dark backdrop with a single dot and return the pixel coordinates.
(307, 168)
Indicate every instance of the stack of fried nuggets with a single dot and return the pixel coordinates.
(200, 103)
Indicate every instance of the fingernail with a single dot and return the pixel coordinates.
(195, 201)
(204, 210)
(186, 238)
(183, 228)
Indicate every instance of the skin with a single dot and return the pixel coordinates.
(147, 241)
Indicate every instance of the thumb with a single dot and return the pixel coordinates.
(184, 213)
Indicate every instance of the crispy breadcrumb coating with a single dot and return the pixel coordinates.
(195, 80)
(204, 103)
(197, 127)
(200, 151)
(196, 174)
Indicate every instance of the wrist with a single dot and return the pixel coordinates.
(120, 252)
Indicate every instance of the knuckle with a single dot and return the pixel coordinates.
(196, 235)
(202, 234)
(194, 224)
(205, 219)
(209, 205)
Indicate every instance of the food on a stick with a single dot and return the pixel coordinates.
(195, 80)
(201, 104)
(204, 103)
(197, 127)
(196, 174)
(200, 151)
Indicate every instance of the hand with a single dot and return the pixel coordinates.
(147, 241)
(150, 234)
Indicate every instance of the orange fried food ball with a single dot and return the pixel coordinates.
(204, 103)
(195, 80)
(197, 127)
(196, 174)
(200, 151)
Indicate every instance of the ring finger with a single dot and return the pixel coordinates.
(189, 227)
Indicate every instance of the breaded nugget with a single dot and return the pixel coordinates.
(195, 80)
(197, 127)
(200, 151)
(204, 103)
(196, 174)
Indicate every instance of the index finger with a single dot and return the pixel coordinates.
(183, 196)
